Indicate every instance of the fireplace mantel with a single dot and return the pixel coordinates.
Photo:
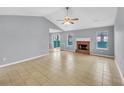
(83, 39)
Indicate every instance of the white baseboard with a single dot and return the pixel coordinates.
(68, 50)
(24, 60)
(102, 55)
(122, 77)
(91, 54)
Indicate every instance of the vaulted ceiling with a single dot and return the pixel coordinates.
(89, 17)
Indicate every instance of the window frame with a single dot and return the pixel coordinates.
(97, 40)
(72, 40)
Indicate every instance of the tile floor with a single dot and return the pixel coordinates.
(62, 68)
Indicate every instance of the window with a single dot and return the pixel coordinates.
(102, 40)
(70, 40)
(56, 40)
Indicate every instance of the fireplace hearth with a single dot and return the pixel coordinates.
(83, 47)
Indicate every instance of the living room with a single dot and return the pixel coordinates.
(77, 46)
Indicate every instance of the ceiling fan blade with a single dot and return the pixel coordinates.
(75, 19)
(72, 22)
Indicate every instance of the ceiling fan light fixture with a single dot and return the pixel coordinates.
(68, 20)
(67, 23)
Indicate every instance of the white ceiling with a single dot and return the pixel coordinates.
(54, 30)
(28, 11)
(89, 17)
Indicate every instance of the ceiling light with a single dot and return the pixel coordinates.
(67, 23)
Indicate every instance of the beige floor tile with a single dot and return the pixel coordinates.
(63, 68)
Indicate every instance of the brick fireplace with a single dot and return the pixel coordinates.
(83, 47)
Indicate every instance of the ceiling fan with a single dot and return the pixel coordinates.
(67, 19)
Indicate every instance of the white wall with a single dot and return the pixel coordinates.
(119, 39)
(23, 37)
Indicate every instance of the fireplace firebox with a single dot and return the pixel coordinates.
(83, 47)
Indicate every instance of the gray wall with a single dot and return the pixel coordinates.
(119, 39)
(23, 37)
(90, 33)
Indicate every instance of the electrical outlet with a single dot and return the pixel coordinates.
(4, 59)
